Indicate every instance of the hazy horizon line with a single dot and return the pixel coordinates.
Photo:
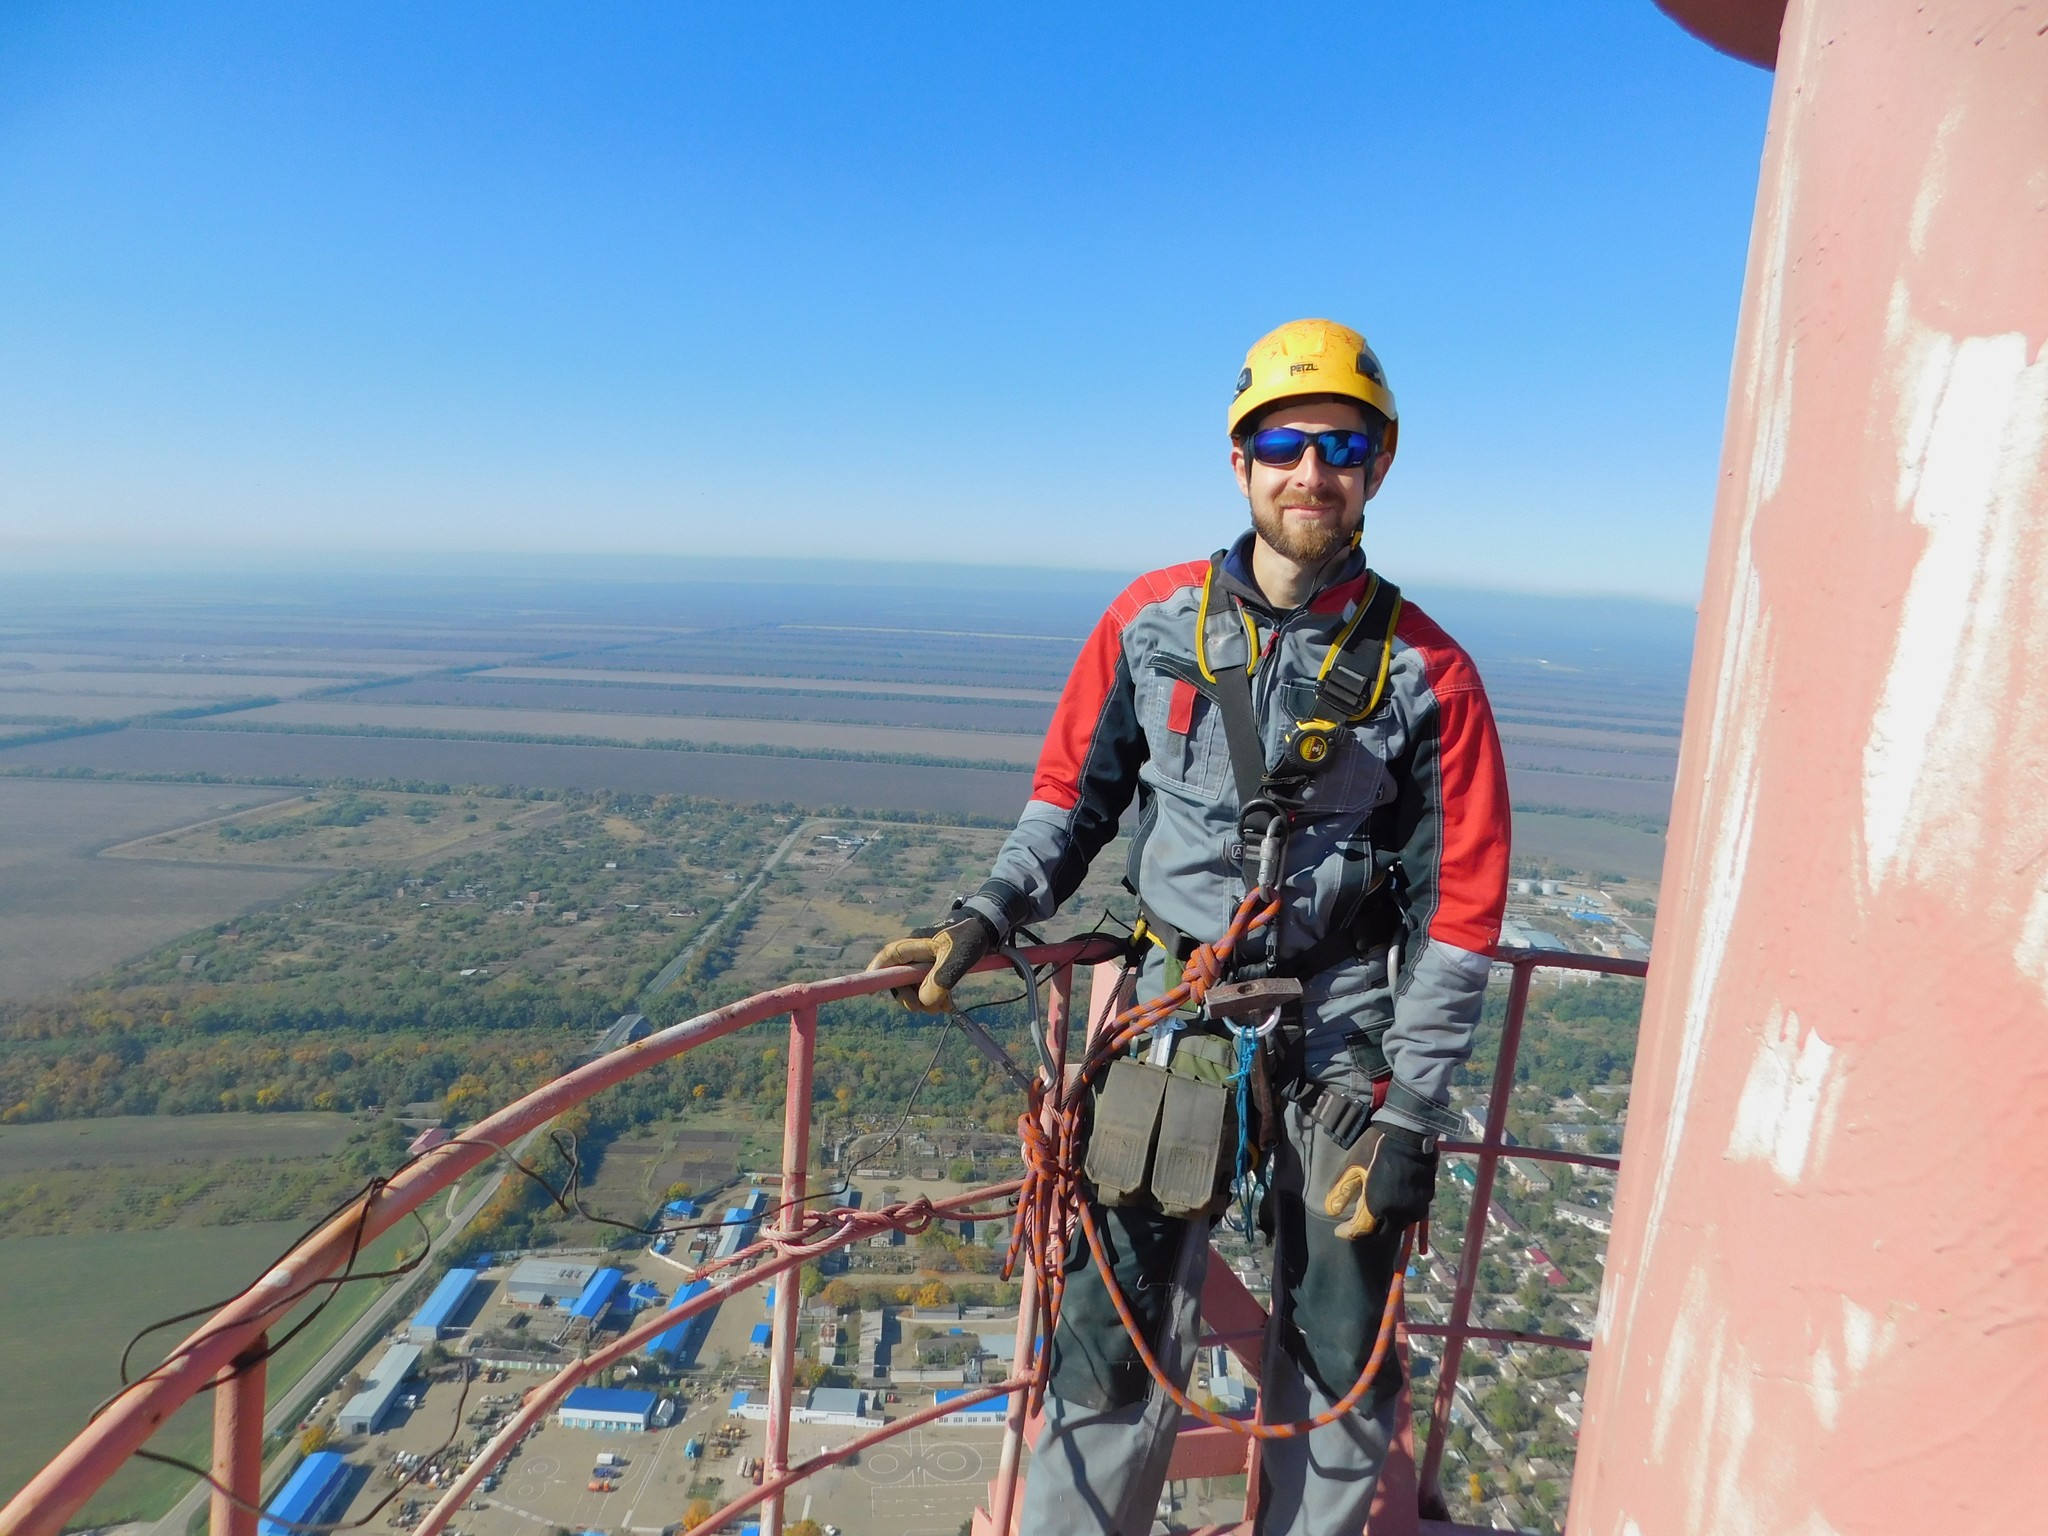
(581, 566)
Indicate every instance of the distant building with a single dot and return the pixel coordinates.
(365, 1413)
(761, 1337)
(681, 1343)
(599, 1292)
(427, 1140)
(441, 1307)
(611, 1409)
(1592, 1219)
(312, 1493)
(873, 1359)
(541, 1282)
(1529, 1174)
(843, 1406)
(990, 1412)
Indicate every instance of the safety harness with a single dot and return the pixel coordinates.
(1148, 1144)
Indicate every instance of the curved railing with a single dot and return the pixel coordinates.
(226, 1352)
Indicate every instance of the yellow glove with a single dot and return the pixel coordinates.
(950, 949)
(1392, 1177)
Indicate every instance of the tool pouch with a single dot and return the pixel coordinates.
(1166, 1138)
(1125, 1122)
(1190, 1171)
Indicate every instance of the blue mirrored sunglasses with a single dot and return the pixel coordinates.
(1282, 447)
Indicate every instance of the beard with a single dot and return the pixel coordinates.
(1308, 546)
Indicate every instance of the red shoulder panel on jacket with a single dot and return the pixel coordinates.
(1057, 780)
(1472, 778)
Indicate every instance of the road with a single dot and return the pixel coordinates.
(665, 977)
(288, 1406)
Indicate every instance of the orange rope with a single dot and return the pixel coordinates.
(1052, 1201)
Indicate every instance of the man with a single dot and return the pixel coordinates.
(1279, 676)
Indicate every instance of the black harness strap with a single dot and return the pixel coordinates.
(1358, 674)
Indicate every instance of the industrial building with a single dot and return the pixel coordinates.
(546, 1282)
(846, 1407)
(683, 1340)
(611, 1409)
(441, 1307)
(597, 1296)
(364, 1413)
(312, 1493)
(990, 1412)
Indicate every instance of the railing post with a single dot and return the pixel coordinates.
(796, 1161)
(238, 1442)
(1475, 1228)
(1003, 1497)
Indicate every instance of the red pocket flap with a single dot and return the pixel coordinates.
(1180, 710)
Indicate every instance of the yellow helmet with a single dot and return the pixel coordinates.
(1312, 357)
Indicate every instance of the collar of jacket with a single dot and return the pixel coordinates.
(1345, 586)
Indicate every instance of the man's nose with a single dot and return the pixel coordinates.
(1311, 473)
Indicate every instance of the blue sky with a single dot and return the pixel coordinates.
(939, 282)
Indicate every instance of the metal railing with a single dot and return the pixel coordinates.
(227, 1352)
(1488, 1152)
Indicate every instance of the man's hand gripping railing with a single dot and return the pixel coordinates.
(1052, 1203)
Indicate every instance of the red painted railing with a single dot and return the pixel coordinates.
(226, 1351)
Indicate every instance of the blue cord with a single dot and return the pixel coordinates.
(1249, 1187)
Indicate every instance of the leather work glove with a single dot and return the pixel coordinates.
(950, 949)
(1392, 1177)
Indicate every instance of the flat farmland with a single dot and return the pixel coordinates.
(344, 829)
(66, 913)
(1589, 845)
(88, 1292)
(730, 680)
(121, 1141)
(621, 696)
(1584, 792)
(74, 1301)
(1596, 762)
(741, 778)
(854, 652)
(798, 735)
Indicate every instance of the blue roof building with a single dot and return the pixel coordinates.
(683, 1340)
(612, 1409)
(681, 1210)
(442, 1306)
(599, 1292)
(644, 1294)
(762, 1336)
(309, 1495)
(990, 1412)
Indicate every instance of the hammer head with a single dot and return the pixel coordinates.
(1246, 999)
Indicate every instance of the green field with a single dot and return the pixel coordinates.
(73, 1302)
(1589, 844)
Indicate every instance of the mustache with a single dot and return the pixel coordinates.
(1312, 504)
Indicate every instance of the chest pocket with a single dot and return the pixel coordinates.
(1358, 780)
(1183, 731)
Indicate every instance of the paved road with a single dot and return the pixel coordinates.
(665, 977)
(288, 1406)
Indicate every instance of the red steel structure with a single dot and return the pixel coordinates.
(226, 1350)
(1826, 1307)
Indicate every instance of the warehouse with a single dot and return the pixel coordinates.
(546, 1282)
(597, 1296)
(441, 1307)
(989, 1412)
(365, 1413)
(683, 1339)
(309, 1495)
(611, 1409)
